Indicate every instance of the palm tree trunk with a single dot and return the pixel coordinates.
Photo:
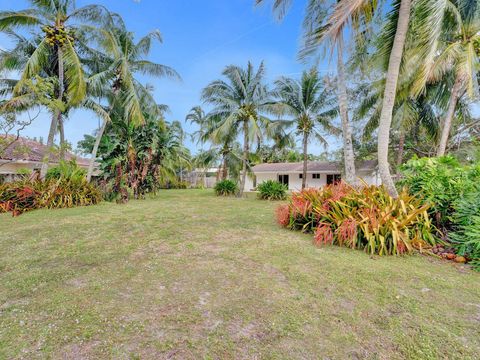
(348, 154)
(389, 96)
(95, 150)
(100, 132)
(245, 158)
(401, 149)
(447, 123)
(56, 116)
(224, 167)
(61, 130)
(305, 161)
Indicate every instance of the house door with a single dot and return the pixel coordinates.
(283, 179)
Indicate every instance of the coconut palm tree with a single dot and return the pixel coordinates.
(409, 114)
(453, 57)
(114, 68)
(197, 116)
(240, 103)
(306, 100)
(223, 145)
(59, 20)
(318, 27)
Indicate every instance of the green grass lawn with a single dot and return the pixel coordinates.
(190, 276)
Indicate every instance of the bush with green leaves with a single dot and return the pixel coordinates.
(66, 170)
(272, 190)
(440, 182)
(465, 234)
(225, 188)
(452, 191)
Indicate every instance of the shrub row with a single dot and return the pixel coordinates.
(65, 186)
(367, 218)
(21, 196)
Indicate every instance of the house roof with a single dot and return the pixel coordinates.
(312, 166)
(25, 149)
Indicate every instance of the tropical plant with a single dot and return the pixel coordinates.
(367, 218)
(63, 192)
(60, 21)
(414, 118)
(451, 55)
(440, 182)
(114, 67)
(239, 104)
(318, 26)
(224, 148)
(226, 188)
(306, 101)
(140, 159)
(465, 235)
(272, 190)
(66, 170)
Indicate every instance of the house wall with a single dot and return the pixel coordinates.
(295, 182)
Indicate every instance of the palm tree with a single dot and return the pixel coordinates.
(239, 103)
(117, 64)
(317, 28)
(197, 116)
(59, 21)
(305, 100)
(391, 80)
(409, 114)
(222, 144)
(454, 57)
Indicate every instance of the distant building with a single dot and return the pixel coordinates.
(319, 173)
(28, 154)
(203, 177)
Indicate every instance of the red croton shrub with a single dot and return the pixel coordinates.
(365, 218)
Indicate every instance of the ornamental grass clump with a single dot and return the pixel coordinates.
(367, 218)
(225, 188)
(272, 190)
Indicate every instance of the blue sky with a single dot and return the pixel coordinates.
(200, 38)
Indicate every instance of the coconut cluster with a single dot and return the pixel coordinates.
(58, 35)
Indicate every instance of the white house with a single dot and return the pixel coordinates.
(319, 173)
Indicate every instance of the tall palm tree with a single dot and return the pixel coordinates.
(306, 100)
(197, 116)
(117, 63)
(318, 26)
(239, 103)
(223, 144)
(454, 56)
(409, 114)
(58, 20)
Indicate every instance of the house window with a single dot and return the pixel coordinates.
(300, 176)
(333, 178)
(315, 176)
(283, 179)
